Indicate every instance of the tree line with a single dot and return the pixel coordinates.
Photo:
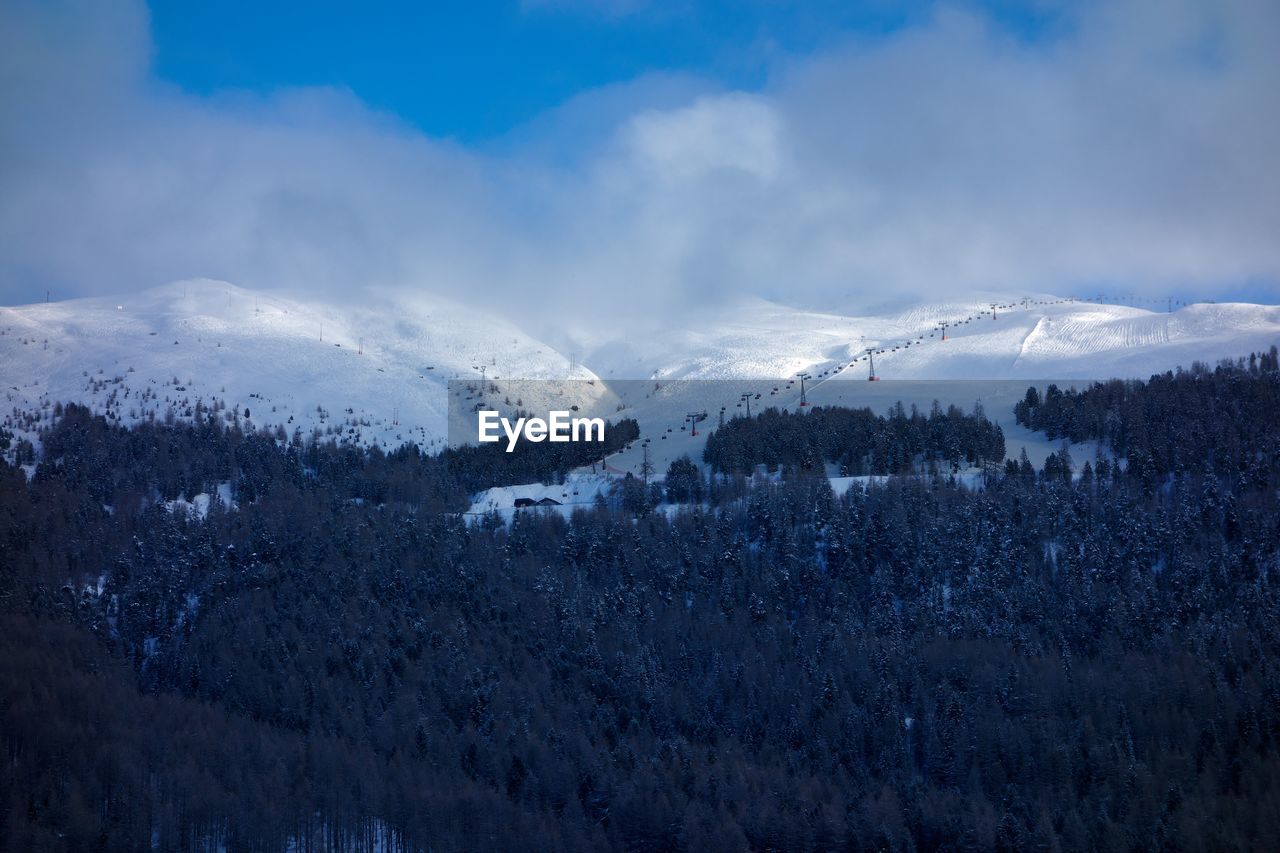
(1185, 420)
(857, 441)
(1046, 663)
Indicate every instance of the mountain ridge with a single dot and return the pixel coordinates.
(379, 374)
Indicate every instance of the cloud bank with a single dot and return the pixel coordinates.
(1133, 147)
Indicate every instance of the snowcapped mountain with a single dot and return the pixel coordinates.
(1046, 337)
(379, 373)
(372, 375)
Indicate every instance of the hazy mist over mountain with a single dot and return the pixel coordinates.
(1122, 146)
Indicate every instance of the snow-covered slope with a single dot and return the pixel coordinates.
(1045, 336)
(379, 373)
(372, 374)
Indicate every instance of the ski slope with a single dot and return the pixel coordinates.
(369, 375)
(379, 373)
(666, 434)
(1048, 336)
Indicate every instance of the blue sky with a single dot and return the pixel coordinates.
(476, 70)
(837, 155)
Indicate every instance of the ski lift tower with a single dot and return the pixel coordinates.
(746, 398)
(693, 422)
(871, 376)
(646, 467)
(802, 377)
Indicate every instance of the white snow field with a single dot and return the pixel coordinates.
(578, 491)
(374, 376)
(1049, 336)
(378, 374)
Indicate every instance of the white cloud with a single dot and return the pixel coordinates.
(734, 132)
(1136, 148)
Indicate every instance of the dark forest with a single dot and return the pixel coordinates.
(1085, 656)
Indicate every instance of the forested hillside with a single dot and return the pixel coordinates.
(1189, 420)
(336, 658)
(857, 441)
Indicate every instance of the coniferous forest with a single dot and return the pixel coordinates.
(857, 441)
(1085, 656)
